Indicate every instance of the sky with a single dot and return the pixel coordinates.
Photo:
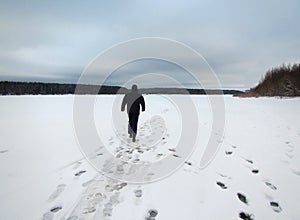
(54, 41)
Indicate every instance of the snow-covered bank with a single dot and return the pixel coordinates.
(256, 170)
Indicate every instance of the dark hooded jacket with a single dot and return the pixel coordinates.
(133, 100)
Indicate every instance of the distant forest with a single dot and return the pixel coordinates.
(37, 88)
(280, 81)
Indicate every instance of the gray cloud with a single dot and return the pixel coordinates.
(53, 41)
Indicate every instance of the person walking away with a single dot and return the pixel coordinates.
(133, 100)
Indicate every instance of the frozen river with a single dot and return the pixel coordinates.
(44, 174)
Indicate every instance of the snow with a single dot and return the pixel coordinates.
(44, 174)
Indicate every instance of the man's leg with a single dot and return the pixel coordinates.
(129, 129)
(130, 125)
(135, 119)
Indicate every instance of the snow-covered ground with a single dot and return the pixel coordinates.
(44, 175)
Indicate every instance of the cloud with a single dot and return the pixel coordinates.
(54, 41)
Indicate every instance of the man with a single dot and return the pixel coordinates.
(133, 100)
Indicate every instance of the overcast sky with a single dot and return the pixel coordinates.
(53, 41)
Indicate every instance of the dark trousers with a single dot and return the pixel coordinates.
(133, 122)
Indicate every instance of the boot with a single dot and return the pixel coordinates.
(133, 137)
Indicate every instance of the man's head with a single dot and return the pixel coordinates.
(134, 88)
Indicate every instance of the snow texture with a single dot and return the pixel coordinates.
(254, 175)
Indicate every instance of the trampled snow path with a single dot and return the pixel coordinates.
(255, 174)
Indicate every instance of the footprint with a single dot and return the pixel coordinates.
(120, 186)
(114, 199)
(296, 171)
(140, 151)
(150, 174)
(224, 176)
(255, 171)
(80, 173)
(165, 110)
(289, 155)
(249, 161)
(159, 155)
(228, 152)
(242, 198)
(88, 197)
(3, 151)
(284, 161)
(188, 163)
(290, 146)
(55, 209)
(275, 206)
(89, 210)
(111, 188)
(138, 193)
(107, 209)
(48, 216)
(99, 195)
(152, 213)
(175, 155)
(271, 185)
(246, 216)
(222, 185)
(59, 189)
(99, 148)
(120, 169)
(136, 160)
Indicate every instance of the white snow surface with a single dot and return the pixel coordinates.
(44, 174)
